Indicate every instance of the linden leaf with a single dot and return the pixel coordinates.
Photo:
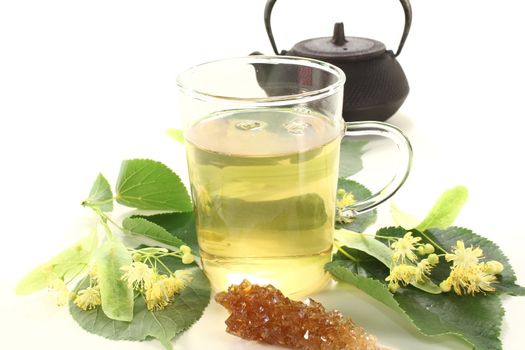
(446, 209)
(65, 266)
(364, 243)
(350, 161)
(150, 185)
(346, 271)
(100, 195)
(476, 320)
(176, 134)
(116, 296)
(143, 227)
(186, 308)
(360, 192)
(181, 225)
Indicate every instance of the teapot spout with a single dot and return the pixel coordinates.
(339, 38)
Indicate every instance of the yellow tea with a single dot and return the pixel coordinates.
(263, 183)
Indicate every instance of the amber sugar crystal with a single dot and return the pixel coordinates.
(264, 314)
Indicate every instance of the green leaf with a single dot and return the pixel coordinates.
(100, 195)
(392, 231)
(363, 264)
(150, 185)
(181, 225)
(116, 296)
(350, 161)
(176, 134)
(379, 251)
(447, 238)
(364, 243)
(360, 192)
(141, 226)
(186, 308)
(446, 209)
(66, 266)
(401, 218)
(477, 319)
(344, 272)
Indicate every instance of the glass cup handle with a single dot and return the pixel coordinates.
(405, 151)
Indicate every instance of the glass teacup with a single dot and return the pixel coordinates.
(262, 138)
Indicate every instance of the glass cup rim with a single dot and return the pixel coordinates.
(185, 87)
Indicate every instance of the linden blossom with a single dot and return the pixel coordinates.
(158, 289)
(344, 200)
(89, 298)
(404, 247)
(468, 275)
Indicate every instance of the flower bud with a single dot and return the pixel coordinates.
(187, 259)
(341, 192)
(494, 267)
(393, 287)
(433, 259)
(445, 286)
(421, 250)
(185, 249)
(429, 248)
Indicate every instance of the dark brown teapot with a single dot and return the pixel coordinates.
(376, 85)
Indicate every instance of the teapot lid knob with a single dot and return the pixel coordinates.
(338, 48)
(339, 38)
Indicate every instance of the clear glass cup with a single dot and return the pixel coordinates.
(262, 138)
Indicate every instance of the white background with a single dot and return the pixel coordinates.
(85, 84)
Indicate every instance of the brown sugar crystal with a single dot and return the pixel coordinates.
(265, 314)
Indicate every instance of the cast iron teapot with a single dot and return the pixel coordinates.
(376, 85)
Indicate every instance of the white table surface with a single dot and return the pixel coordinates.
(84, 85)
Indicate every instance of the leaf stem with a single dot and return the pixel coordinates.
(163, 265)
(104, 221)
(113, 222)
(90, 204)
(107, 230)
(345, 253)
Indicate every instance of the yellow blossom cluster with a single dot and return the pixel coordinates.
(86, 299)
(89, 298)
(158, 289)
(164, 287)
(343, 201)
(143, 276)
(468, 275)
(406, 268)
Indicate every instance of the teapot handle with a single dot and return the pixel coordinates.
(407, 8)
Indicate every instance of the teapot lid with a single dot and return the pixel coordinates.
(339, 47)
